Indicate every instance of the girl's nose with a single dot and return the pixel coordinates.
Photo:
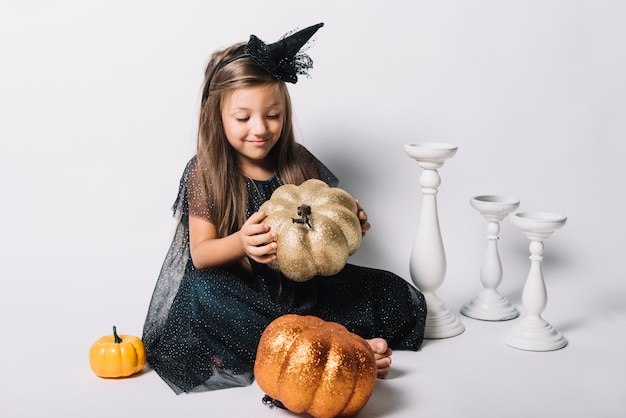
(259, 127)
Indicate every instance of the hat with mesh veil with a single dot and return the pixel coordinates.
(284, 59)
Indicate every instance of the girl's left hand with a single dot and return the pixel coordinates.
(360, 213)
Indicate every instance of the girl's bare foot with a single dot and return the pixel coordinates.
(382, 354)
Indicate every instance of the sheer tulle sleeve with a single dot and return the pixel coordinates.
(192, 196)
(199, 202)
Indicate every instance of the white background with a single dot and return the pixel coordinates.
(98, 109)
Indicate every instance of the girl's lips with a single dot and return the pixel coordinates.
(258, 143)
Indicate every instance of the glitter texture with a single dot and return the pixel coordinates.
(322, 246)
(325, 371)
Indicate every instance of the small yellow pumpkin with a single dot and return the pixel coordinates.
(117, 355)
(313, 366)
(317, 227)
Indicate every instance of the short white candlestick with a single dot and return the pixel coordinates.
(489, 305)
(533, 333)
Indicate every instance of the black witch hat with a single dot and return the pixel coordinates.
(282, 59)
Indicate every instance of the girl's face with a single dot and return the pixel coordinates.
(253, 121)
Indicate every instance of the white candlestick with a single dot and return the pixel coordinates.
(489, 305)
(533, 333)
(428, 259)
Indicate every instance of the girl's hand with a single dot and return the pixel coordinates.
(360, 213)
(257, 241)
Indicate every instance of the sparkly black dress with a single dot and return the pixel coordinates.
(203, 326)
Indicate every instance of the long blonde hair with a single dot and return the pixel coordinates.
(217, 161)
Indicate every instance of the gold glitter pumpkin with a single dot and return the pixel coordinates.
(314, 366)
(317, 227)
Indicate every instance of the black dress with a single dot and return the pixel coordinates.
(203, 325)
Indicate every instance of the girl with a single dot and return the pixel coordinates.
(215, 293)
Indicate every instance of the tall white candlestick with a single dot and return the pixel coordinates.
(428, 263)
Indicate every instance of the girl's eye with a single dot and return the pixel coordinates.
(273, 116)
(243, 119)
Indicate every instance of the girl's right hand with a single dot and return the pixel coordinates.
(257, 241)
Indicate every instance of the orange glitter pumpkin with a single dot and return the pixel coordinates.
(314, 366)
(317, 227)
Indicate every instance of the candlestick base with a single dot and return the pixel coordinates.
(533, 333)
(489, 305)
(440, 322)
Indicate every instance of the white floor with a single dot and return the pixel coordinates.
(46, 373)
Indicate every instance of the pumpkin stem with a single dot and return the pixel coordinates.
(117, 337)
(303, 212)
(268, 400)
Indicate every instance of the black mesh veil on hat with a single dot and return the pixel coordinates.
(283, 59)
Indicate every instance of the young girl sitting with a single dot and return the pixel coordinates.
(215, 293)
